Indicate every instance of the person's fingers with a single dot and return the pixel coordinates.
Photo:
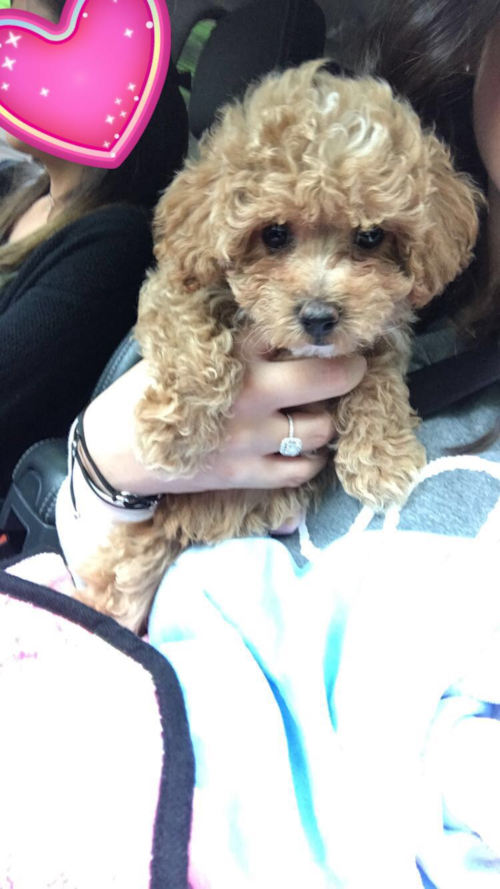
(292, 472)
(282, 384)
(270, 472)
(315, 431)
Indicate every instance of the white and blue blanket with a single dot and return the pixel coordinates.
(343, 715)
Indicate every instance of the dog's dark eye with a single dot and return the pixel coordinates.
(277, 236)
(370, 239)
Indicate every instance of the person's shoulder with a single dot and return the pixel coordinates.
(108, 249)
(117, 236)
(113, 218)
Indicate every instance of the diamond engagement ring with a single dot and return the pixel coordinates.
(291, 446)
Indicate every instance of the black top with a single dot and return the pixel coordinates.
(71, 302)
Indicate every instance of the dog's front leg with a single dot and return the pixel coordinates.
(188, 341)
(378, 455)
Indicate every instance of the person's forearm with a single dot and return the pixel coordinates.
(82, 530)
(109, 424)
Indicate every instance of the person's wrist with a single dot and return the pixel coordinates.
(97, 481)
(109, 441)
(86, 465)
(108, 436)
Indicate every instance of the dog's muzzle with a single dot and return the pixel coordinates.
(318, 319)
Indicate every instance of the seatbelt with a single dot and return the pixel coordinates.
(438, 386)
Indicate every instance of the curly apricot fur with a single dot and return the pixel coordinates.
(326, 156)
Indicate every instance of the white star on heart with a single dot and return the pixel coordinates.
(8, 63)
(13, 40)
(131, 87)
(109, 119)
(44, 91)
(5, 86)
(128, 33)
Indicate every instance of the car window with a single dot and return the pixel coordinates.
(191, 53)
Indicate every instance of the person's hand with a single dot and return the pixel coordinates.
(249, 457)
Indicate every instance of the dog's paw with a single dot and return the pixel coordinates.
(383, 474)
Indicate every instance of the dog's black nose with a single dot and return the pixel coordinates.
(318, 318)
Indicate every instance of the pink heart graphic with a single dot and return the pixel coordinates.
(84, 89)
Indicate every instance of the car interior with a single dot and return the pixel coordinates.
(219, 47)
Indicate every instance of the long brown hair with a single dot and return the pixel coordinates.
(429, 51)
(146, 172)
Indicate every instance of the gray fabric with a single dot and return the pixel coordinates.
(454, 503)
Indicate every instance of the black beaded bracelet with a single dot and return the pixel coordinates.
(103, 490)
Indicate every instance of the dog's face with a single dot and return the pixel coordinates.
(325, 288)
(325, 207)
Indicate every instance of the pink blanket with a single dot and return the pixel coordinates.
(96, 766)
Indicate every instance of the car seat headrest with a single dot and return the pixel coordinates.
(249, 43)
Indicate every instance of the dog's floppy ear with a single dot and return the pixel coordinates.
(190, 225)
(451, 222)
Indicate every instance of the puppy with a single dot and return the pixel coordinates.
(318, 217)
